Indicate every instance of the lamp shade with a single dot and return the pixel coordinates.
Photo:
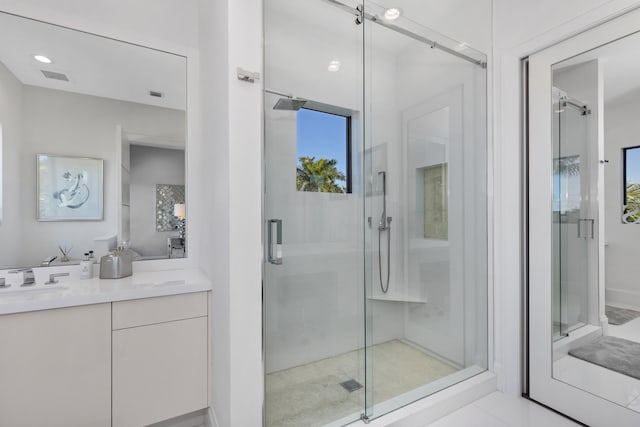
(179, 210)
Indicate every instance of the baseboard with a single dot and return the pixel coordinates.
(622, 298)
(436, 406)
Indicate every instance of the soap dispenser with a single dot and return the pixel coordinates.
(86, 267)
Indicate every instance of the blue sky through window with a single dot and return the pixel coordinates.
(633, 165)
(323, 136)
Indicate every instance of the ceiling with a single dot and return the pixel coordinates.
(94, 65)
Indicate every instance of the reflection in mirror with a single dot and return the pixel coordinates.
(69, 95)
(595, 245)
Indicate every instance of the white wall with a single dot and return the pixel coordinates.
(11, 194)
(520, 28)
(151, 166)
(230, 111)
(66, 124)
(621, 129)
(149, 22)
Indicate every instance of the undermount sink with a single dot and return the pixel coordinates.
(30, 290)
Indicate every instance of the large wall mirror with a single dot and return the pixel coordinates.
(584, 177)
(93, 139)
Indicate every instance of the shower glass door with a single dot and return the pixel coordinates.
(313, 207)
(573, 221)
(426, 242)
(375, 217)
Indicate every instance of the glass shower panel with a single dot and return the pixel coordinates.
(426, 241)
(313, 207)
(573, 226)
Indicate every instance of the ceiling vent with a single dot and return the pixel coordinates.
(155, 93)
(55, 76)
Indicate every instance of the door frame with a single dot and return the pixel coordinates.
(543, 388)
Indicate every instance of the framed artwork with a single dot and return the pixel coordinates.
(167, 196)
(69, 188)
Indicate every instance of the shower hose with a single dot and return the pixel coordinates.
(384, 287)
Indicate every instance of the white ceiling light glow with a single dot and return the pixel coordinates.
(42, 58)
(392, 14)
(334, 65)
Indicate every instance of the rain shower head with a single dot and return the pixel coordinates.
(289, 104)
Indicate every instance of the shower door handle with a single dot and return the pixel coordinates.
(586, 228)
(274, 247)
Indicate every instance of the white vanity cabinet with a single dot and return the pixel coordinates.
(55, 367)
(159, 357)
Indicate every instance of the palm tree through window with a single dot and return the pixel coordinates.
(323, 149)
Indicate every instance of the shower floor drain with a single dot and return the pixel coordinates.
(351, 385)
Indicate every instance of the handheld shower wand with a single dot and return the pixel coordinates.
(384, 225)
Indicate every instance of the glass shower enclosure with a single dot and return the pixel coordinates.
(375, 212)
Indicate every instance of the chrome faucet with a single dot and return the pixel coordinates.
(28, 279)
(52, 278)
(47, 261)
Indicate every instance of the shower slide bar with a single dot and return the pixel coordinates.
(358, 12)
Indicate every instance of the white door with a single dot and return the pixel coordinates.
(570, 89)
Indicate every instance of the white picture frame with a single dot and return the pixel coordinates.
(69, 188)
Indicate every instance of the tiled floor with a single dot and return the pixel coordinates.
(501, 410)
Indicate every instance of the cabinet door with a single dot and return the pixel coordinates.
(159, 371)
(55, 367)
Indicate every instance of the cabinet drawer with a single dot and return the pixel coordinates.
(148, 311)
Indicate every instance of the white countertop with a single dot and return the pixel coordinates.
(72, 291)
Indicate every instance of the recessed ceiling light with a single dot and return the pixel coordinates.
(42, 58)
(392, 13)
(334, 65)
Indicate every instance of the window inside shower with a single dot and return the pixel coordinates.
(323, 147)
